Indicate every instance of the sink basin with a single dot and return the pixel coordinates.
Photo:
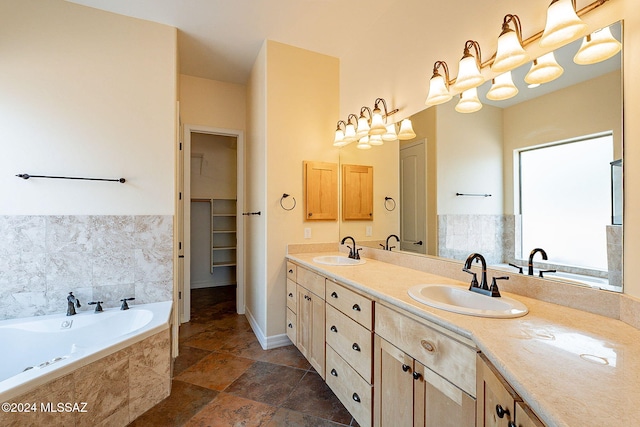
(337, 260)
(460, 300)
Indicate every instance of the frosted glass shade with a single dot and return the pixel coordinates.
(363, 143)
(406, 130)
(377, 123)
(544, 70)
(438, 91)
(469, 102)
(338, 141)
(363, 127)
(597, 47)
(375, 140)
(468, 74)
(563, 25)
(390, 134)
(510, 53)
(350, 133)
(502, 88)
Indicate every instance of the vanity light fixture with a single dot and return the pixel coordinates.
(350, 130)
(390, 134)
(597, 47)
(563, 24)
(502, 87)
(543, 70)
(376, 140)
(469, 68)
(406, 130)
(439, 85)
(378, 119)
(469, 102)
(510, 53)
(363, 123)
(363, 143)
(339, 139)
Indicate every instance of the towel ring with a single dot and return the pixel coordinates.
(284, 196)
(388, 201)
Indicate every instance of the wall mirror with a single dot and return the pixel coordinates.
(477, 182)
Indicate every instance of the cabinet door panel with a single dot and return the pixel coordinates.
(496, 399)
(303, 321)
(316, 343)
(393, 386)
(525, 417)
(291, 326)
(321, 190)
(353, 391)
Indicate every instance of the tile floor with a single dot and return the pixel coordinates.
(222, 377)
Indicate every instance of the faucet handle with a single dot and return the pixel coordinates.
(516, 266)
(495, 292)
(124, 305)
(357, 253)
(97, 304)
(474, 280)
(541, 272)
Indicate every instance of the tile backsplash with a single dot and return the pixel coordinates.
(97, 257)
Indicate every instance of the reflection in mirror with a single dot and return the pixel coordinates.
(481, 156)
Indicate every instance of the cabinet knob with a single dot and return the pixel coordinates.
(290, 325)
(334, 295)
(356, 397)
(417, 375)
(511, 424)
(290, 295)
(290, 271)
(334, 373)
(355, 346)
(405, 368)
(310, 213)
(428, 346)
(501, 412)
(333, 328)
(356, 307)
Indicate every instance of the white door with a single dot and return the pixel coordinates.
(413, 198)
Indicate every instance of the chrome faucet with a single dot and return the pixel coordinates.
(72, 304)
(482, 288)
(387, 247)
(353, 252)
(533, 252)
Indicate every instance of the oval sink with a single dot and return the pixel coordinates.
(337, 260)
(460, 300)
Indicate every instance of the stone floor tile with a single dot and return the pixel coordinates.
(216, 371)
(267, 383)
(230, 410)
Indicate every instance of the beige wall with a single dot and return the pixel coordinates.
(211, 103)
(85, 93)
(213, 166)
(582, 109)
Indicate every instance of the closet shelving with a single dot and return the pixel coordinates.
(223, 237)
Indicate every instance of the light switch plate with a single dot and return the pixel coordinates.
(307, 233)
(369, 232)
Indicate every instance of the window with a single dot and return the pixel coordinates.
(565, 200)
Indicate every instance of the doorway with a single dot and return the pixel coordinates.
(211, 201)
(413, 196)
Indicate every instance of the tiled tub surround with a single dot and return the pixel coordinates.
(550, 356)
(97, 257)
(116, 388)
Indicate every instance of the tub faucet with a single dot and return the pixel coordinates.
(97, 304)
(124, 305)
(387, 247)
(533, 252)
(72, 304)
(353, 252)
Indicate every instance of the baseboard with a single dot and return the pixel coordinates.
(267, 343)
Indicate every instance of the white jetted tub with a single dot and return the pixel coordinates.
(36, 350)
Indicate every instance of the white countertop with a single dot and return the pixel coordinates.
(571, 367)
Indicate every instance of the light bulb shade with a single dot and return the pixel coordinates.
(363, 127)
(468, 74)
(377, 123)
(363, 143)
(544, 70)
(339, 139)
(406, 130)
(510, 53)
(375, 140)
(563, 25)
(350, 133)
(597, 47)
(438, 91)
(502, 88)
(469, 102)
(390, 134)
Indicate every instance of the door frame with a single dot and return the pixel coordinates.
(422, 221)
(186, 225)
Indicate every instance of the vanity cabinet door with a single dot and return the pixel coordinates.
(393, 388)
(310, 328)
(525, 417)
(496, 399)
(320, 190)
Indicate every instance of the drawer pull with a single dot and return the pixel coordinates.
(501, 412)
(334, 295)
(417, 375)
(290, 295)
(290, 325)
(428, 346)
(355, 346)
(356, 397)
(356, 307)
(334, 329)
(405, 368)
(334, 373)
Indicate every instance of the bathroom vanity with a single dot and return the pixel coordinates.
(394, 361)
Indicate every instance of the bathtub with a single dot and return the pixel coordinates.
(36, 350)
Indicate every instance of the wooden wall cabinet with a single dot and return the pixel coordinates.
(320, 190)
(357, 192)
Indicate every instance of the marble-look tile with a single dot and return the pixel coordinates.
(65, 270)
(22, 272)
(22, 304)
(148, 292)
(287, 356)
(228, 410)
(112, 233)
(216, 371)
(111, 295)
(115, 266)
(288, 418)
(313, 396)
(153, 232)
(22, 233)
(153, 265)
(187, 357)
(183, 403)
(267, 383)
(68, 233)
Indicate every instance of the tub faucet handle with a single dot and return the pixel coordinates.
(97, 304)
(124, 305)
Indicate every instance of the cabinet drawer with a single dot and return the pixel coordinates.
(356, 306)
(291, 326)
(291, 295)
(354, 392)
(439, 352)
(351, 340)
(291, 270)
(310, 280)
